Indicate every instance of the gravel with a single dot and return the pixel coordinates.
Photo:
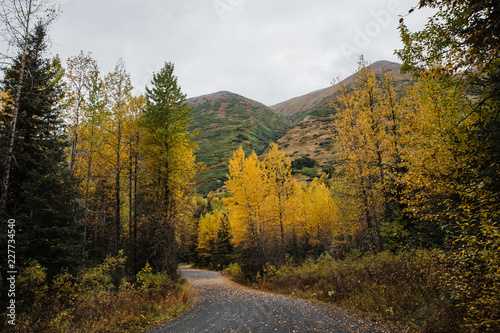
(221, 305)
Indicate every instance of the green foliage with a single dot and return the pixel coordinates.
(310, 172)
(169, 161)
(457, 188)
(32, 284)
(151, 283)
(41, 195)
(104, 277)
(226, 122)
(303, 162)
(460, 36)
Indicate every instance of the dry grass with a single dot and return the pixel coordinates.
(404, 288)
(94, 301)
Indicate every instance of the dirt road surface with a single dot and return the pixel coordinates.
(221, 305)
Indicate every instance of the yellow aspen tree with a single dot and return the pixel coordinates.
(281, 186)
(132, 140)
(207, 233)
(247, 188)
(316, 217)
(91, 140)
(364, 124)
(451, 187)
(118, 93)
(432, 131)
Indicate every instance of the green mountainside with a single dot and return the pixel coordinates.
(302, 128)
(225, 122)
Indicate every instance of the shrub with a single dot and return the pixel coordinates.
(96, 300)
(404, 287)
(32, 286)
(235, 271)
(153, 283)
(303, 162)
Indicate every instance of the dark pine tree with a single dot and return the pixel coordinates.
(42, 195)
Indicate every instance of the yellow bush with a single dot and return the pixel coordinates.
(235, 271)
(32, 285)
(153, 283)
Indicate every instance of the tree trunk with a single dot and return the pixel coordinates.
(74, 145)
(13, 123)
(135, 208)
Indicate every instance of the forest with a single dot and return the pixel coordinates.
(99, 203)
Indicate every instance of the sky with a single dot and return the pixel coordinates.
(266, 50)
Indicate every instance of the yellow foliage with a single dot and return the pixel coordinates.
(366, 138)
(207, 232)
(317, 215)
(246, 184)
(268, 208)
(428, 136)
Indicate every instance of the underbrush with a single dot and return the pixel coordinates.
(406, 288)
(96, 300)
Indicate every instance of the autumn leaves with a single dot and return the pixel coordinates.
(134, 158)
(271, 214)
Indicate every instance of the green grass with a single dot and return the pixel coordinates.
(239, 122)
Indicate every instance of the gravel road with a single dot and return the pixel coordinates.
(221, 305)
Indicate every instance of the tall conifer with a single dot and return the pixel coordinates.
(41, 195)
(169, 159)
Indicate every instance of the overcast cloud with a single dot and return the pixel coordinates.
(266, 50)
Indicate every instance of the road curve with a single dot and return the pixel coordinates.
(221, 305)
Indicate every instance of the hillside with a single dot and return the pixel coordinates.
(302, 105)
(225, 122)
(301, 127)
(311, 136)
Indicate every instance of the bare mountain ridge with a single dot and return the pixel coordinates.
(301, 104)
(311, 139)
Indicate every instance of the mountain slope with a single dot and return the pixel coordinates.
(225, 122)
(311, 137)
(299, 107)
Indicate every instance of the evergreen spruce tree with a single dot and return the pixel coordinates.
(169, 161)
(41, 195)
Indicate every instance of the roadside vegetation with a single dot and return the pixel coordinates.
(98, 299)
(407, 288)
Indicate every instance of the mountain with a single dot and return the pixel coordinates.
(301, 105)
(302, 127)
(225, 122)
(309, 141)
